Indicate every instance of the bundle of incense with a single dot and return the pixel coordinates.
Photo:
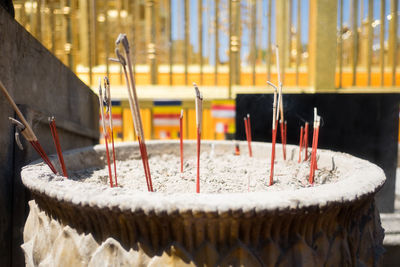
(274, 130)
(53, 128)
(313, 160)
(301, 142)
(199, 116)
(107, 101)
(306, 141)
(181, 138)
(26, 130)
(246, 127)
(134, 103)
(280, 104)
(105, 133)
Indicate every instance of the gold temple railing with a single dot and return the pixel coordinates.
(225, 43)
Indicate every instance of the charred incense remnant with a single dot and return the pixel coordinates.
(274, 128)
(105, 133)
(301, 142)
(237, 149)
(134, 103)
(53, 128)
(181, 138)
(199, 117)
(27, 131)
(107, 102)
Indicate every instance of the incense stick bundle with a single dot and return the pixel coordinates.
(56, 140)
(199, 117)
(181, 138)
(27, 131)
(134, 104)
(105, 133)
(107, 99)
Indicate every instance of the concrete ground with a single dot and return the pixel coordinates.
(391, 224)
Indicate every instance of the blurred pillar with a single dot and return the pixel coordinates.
(282, 35)
(151, 39)
(84, 34)
(322, 44)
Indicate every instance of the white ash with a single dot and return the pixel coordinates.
(218, 174)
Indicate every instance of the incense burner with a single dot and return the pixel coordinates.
(333, 224)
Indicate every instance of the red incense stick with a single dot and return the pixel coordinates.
(316, 145)
(249, 133)
(36, 145)
(246, 126)
(301, 142)
(271, 176)
(285, 135)
(198, 161)
(283, 140)
(181, 138)
(56, 140)
(105, 133)
(107, 99)
(314, 148)
(306, 142)
(199, 116)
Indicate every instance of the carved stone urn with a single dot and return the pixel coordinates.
(72, 223)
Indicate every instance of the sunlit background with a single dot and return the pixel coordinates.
(225, 46)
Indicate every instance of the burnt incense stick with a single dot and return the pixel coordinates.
(237, 150)
(27, 131)
(53, 128)
(105, 133)
(199, 117)
(300, 143)
(181, 138)
(107, 101)
(249, 133)
(134, 103)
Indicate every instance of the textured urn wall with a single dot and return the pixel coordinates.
(329, 225)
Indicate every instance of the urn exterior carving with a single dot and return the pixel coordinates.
(333, 224)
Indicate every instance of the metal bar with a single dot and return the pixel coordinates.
(216, 42)
(341, 45)
(151, 39)
(393, 36)
(105, 36)
(298, 42)
(230, 50)
(200, 36)
(38, 29)
(238, 41)
(69, 35)
(186, 54)
(119, 29)
(354, 17)
(269, 39)
(382, 42)
(90, 40)
(169, 34)
(289, 47)
(253, 45)
(369, 42)
(52, 26)
(136, 39)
